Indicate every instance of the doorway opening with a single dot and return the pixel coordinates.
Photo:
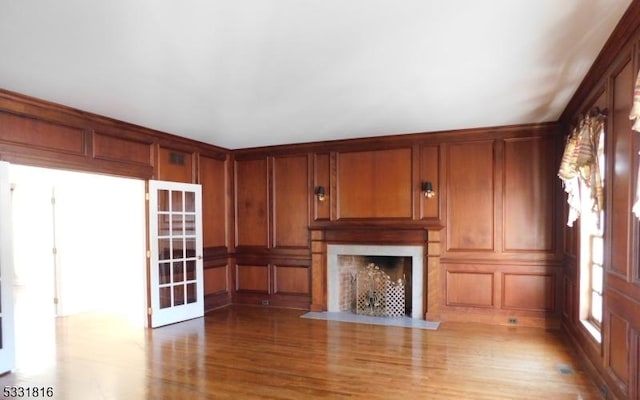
(79, 242)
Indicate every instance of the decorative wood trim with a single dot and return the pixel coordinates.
(402, 140)
(28, 106)
(498, 195)
(433, 299)
(318, 271)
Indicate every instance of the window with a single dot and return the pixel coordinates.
(592, 250)
(596, 274)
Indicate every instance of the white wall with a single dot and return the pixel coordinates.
(99, 236)
(33, 235)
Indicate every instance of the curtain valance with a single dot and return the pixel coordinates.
(580, 163)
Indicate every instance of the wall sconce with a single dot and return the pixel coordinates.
(427, 189)
(319, 192)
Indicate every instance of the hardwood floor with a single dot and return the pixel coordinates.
(243, 352)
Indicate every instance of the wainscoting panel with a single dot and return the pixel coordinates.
(568, 298)
(253, 278)
(469, 289)
(635, 357)
(530, 292)
(291, 279)
(215, 280)
(497, 293)
(619, 354)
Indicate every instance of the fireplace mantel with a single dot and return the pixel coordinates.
(428, 238)
(373, 234)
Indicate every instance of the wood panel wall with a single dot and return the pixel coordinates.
(39, 133)
(614, 360)
(495, 204)
(501, 256)
(214, 176)
(272, 197)
(491, 192)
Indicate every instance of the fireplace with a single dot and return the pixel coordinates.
(399, 262)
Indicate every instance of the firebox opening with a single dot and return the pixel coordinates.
(398, 268)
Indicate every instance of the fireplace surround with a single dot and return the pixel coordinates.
(418, 241)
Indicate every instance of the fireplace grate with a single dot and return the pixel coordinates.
(376, 294)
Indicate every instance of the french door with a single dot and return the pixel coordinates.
(7, 356)
(175, 252)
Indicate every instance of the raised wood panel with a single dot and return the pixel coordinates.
(470, 196)
(216, 280)
(253, 278)
(291, 279)
(636, 357)
(618, 342)
(469, 289)
(622, 322)
(175, 165)
(112, 148)
(530, 292)
(215, 185)
(429, 172)
(621, 154)
(251, 203)
(375, 184)
(528, 207)
(291, 200)
(43, 135)
(570, 238)
(322, 173)
(567, 298)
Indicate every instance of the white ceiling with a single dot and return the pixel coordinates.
(245, 73)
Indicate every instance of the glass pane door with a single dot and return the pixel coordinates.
(175, 233)
(7, 358)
